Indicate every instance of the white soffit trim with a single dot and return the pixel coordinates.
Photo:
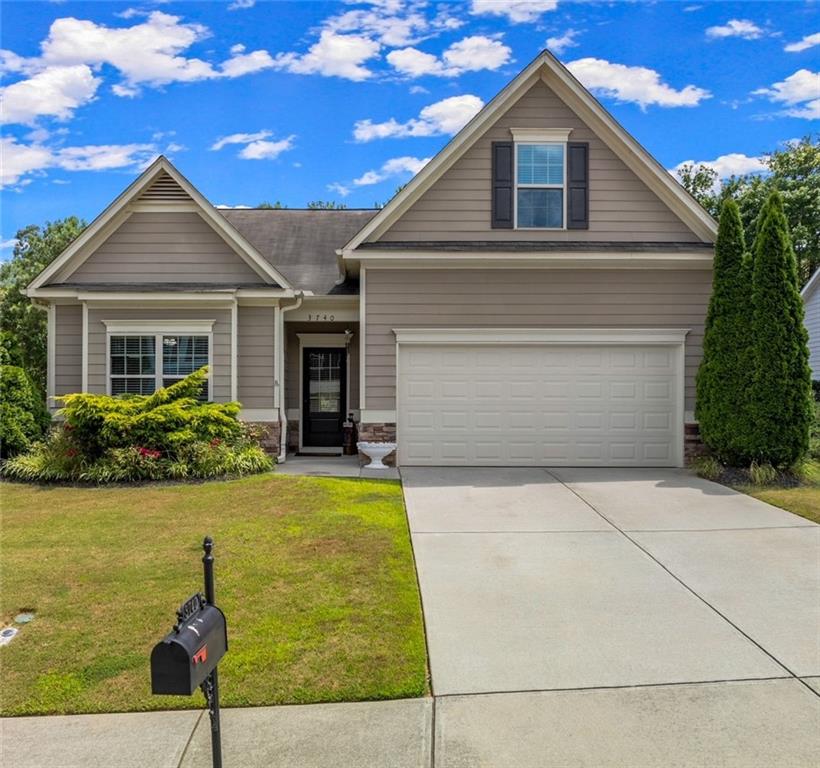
(540, 135)
(528, 336)
(512, 260)
(809, 287)
(158, 326)
(119, 210)
(548, 68)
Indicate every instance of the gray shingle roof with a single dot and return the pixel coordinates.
(301, 244)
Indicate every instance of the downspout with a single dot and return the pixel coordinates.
(283, 411)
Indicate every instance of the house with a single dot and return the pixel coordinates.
(811, 304)
(534, 296)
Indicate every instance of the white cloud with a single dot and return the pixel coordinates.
(516, 11)
(443, 117)
(468, 55)
(560, 44)
(266, 150)
(149, 52)
(800, 92)
(332, 56)
(639, 85)
(233, 207)
(241, 5)
(744, 28)
(733, 164)
(808, 41)
(22, 160)
(339, 189)
(394, 167)
(8, 245)
(54, 92)
(257, 146)
(392, 26)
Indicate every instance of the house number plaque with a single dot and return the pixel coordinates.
(321, 317)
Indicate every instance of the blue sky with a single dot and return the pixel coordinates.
(298, 101)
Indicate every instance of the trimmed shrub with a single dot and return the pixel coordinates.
(23, 417)
(724, 373)
(780, 403)
(167, 435)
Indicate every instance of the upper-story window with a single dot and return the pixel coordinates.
(539, 185)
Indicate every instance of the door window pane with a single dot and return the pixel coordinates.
(324, 382)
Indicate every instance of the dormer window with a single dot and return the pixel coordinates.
(540, 178)
(539, 185)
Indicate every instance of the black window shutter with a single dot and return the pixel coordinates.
(578, 185)
(502, 185)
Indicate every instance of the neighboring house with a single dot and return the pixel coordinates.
(534, 296)
(811, 303)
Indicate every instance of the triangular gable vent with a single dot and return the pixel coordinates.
(164, 190)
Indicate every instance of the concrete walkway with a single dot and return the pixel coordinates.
(591, 618)
(333, 466)
(615, 617)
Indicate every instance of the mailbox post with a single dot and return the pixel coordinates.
(187, 658)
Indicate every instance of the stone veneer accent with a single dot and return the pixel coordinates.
(378, 433)
(693, 446)
(269, 435)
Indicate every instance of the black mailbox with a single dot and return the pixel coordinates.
(182, 661)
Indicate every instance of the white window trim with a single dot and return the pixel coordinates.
(562, 186)
(541, 135)
(330, 340)
(158, 329)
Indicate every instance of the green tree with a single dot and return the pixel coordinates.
(701, 181)
(277, 206)
(23, 415)
(779, 395)
(723, 376)
(794, 172)
(326, 205)
(23, 326)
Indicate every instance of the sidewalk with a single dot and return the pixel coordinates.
(733, 724)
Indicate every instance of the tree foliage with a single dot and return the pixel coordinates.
(794, 172)
(326, 205)
(22, 325)
(724, 372)
(23, 415)
(779, 395)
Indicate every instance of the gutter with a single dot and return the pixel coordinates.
(340, 263)
(283, 411)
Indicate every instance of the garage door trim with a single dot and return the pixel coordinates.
(670, 337)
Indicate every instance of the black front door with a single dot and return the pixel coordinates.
(324, 395)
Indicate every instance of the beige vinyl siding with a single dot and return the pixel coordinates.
(560, 298)
(220, 354)
(256, 353)
(164, 247)
(68, 349)
(813, 326)
(293, 396)
(457, 206)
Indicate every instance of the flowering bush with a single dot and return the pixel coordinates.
(167, 435)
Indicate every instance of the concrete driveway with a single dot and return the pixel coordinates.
(662, 613)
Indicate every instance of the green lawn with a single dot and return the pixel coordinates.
(315, 576)
(803, 500)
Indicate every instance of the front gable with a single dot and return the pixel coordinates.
(458, 204)
(160, 230)
(632, 198)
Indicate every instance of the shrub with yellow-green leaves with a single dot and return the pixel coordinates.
(168, 435)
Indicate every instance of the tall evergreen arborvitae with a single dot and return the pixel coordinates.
(779, 397)
(724, 373)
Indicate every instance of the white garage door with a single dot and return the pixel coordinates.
(543, 405)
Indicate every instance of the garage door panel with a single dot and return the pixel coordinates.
(538, 405)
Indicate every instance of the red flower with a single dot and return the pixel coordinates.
(71, 453)
(67, 427)
(149, 453)
(216, 441)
